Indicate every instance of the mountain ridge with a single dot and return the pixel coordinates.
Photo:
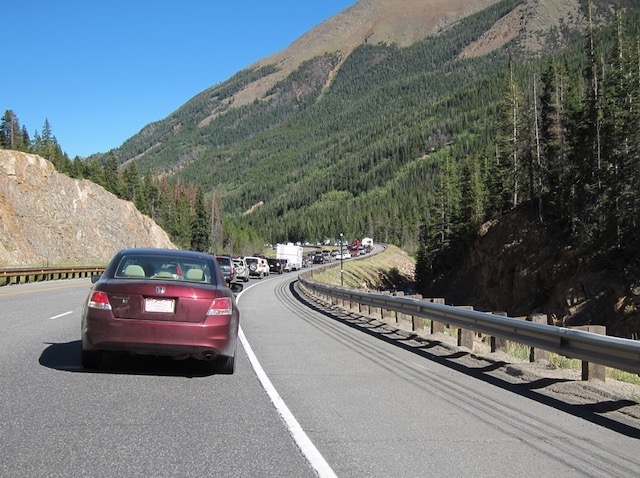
(367, 21)
(401, 23)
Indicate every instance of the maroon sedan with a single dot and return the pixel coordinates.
(162, 302)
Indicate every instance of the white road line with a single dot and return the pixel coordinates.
(308, 449)
(61, 315)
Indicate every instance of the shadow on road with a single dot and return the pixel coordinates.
(66, 357)
(533, 389)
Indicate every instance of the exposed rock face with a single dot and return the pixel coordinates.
(47, 218)
(521, 267)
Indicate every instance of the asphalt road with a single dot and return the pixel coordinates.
(313, 394)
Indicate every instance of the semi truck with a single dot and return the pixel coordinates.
(292, 253)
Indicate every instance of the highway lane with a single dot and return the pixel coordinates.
(375, 404)
(136, 418)
(372, 404)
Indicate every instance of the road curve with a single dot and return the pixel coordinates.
(371, 403)
(376, 404)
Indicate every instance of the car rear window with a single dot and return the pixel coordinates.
(164, 267)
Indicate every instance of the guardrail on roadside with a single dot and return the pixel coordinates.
(591, 348)
(36, 274)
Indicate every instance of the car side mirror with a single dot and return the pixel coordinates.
(95, 278)
(236, 287)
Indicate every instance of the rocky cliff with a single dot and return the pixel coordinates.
(520, 266)
(47, 218)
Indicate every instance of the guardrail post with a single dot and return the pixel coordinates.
(437, 327)
(375, 312)
(417, 323)
(593, 371)
(465, 336)
(538, 354)
(353, 305)
(364, 309)
(385, 313)
(399, 315)
(499, 343)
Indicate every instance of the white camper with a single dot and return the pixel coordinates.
(367, 242)
(292, 253)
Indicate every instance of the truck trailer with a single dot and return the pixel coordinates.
(292, 253)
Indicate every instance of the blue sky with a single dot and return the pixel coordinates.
(100, 71)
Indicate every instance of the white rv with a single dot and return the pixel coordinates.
(367, 242)
(292, 253)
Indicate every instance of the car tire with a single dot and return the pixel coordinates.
(224, 365)
(91, 358)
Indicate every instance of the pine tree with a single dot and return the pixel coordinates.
(553, 132)
(200, 238)
(618, 132)
(448, 202)
(474, 185)
(112, 180)
(589, 211)
(217, 230)
(132, 183)
(93, 171)
(148, 203)
(10, 132)
(26, 141)
(507, 164)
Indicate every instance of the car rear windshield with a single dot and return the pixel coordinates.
(165, 267)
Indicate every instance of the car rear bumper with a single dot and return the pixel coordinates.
(199, 340)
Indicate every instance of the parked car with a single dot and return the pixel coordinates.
(226, 266)
(258, 267)
(275, 265)
(242, 269)
(134, 307)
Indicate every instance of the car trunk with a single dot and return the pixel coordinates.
(160, 302)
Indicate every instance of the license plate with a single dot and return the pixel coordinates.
(166, 306)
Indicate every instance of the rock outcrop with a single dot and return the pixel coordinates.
(520, 266)
(47, 218)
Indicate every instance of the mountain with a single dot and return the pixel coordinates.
(349, 119)
(535, 25)
(51, 219)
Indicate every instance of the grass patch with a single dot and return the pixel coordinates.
(390, 269)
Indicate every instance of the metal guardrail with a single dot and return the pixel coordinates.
(614, 352)
(36, 274)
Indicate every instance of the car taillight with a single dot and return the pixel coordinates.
(220, 306)
(99, 300)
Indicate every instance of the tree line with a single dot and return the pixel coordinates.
(15, 136)
(566, 146)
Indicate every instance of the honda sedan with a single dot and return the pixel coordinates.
(162, 302)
